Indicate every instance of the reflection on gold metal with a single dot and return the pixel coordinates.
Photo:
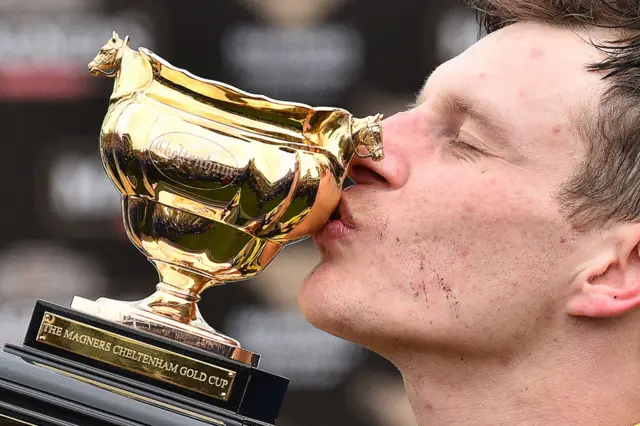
(10, 421)
(133, 395)
(215, 181)
(138, 357)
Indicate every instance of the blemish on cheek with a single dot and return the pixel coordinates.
(505, 360)
(482, 75)
(536, 53)
(563, 240)
(464, 251)
(468, 207)
(557, 129)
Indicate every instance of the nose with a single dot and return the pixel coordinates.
(392, 172)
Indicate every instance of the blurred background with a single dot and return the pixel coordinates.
(61, 229)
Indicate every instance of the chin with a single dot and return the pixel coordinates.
(332, 300)
(323, 301)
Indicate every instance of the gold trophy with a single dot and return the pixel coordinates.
(214, 182)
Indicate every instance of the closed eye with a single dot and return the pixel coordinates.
(460, 144)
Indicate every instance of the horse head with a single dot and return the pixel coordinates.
(107, 61)
(368, 134)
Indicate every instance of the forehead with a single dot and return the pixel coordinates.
(531, 76)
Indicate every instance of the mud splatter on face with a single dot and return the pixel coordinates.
(450, 295)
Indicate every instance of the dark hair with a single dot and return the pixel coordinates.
(606, 186)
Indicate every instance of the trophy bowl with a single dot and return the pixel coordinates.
(214, 182)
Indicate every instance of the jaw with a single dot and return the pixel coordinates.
(98, 71)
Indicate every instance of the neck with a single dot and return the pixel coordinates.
(586, 382)
(134, 75)
(339, 144)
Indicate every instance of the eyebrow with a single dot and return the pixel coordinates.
(476, 110)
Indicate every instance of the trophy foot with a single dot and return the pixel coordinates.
(196, 333)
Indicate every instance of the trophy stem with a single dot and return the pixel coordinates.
(177, 296)
(178, 293)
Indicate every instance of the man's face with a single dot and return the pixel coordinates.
(456, 240)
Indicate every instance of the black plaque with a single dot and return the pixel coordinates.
(57, 381)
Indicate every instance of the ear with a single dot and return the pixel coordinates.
(115, 37)
(609, 284)
(127, 42)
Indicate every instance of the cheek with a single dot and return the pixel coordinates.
(466, 201)
(471, 234)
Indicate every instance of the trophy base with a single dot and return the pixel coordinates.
(76, 368)
(197, 334)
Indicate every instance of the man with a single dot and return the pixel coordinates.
(493, 256)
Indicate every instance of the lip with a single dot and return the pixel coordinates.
(338, 228)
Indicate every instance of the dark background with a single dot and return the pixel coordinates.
(61, 232)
